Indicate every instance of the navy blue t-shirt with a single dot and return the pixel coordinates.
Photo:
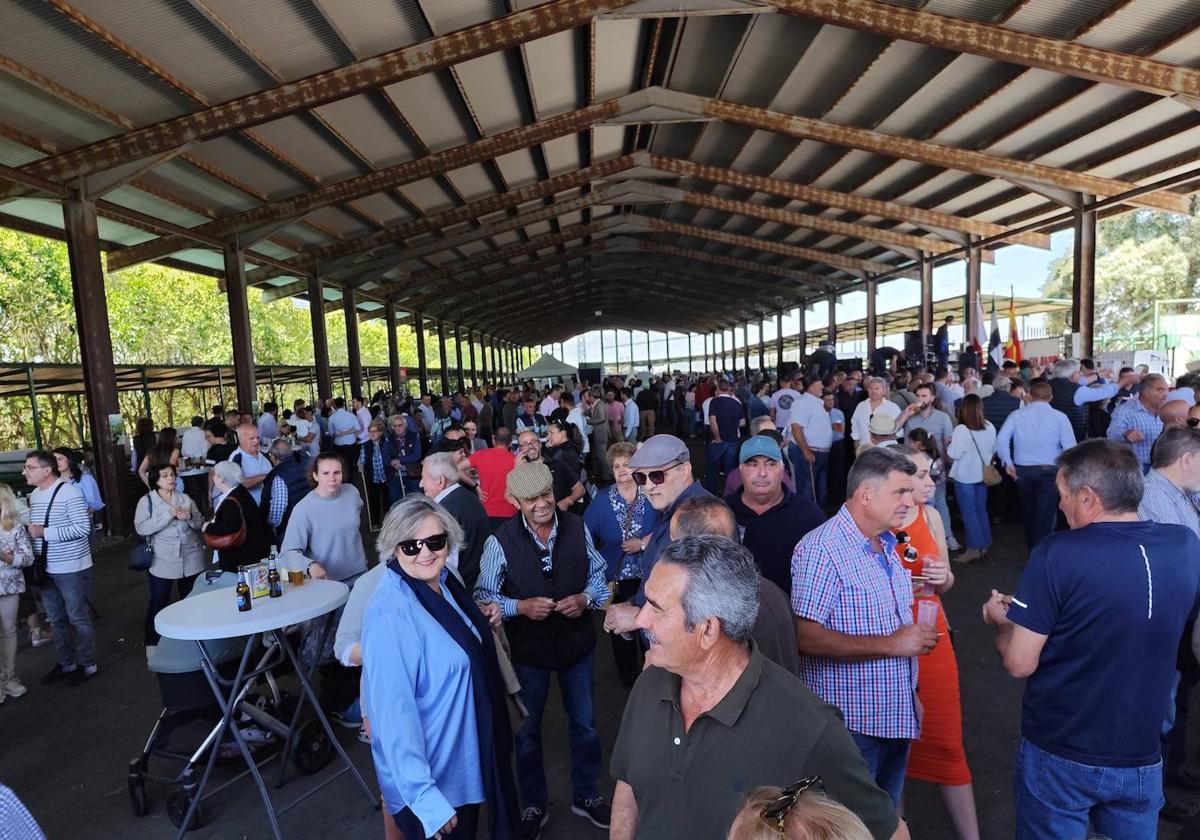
(772, 536)
(1113, 598)
(728, 413)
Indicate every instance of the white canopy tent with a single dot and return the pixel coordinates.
(548, 367)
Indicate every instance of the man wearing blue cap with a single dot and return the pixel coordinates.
(773, 519)
(662, 467)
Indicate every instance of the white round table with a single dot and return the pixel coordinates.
(214, 615)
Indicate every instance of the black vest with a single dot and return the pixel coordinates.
(556, 641)
(1063, 399)
(293, 475)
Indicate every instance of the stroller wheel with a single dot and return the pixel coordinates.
(311, 749)
(177, 808)
(137, 798)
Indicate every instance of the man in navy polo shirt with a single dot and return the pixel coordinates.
(1095, 624)
(772, 518)
(726, 417)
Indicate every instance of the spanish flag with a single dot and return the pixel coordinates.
(1012, 347)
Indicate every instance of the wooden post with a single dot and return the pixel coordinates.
(239, 329)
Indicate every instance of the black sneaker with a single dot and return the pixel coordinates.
(532, 821)
(56, 674)
(596, 810)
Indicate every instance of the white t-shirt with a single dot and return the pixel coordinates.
(781, 404)
(861, 419)
(808, 412)
(575, 417)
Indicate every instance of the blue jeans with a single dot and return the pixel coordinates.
(820, 474)
(1038, 496)
(972, 504)
(575, 685)
(804, 474)
(66, 602)
(887, 759)
(1057, 798)
(943, 509)
(722, 459)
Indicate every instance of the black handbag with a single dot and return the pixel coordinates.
(35, 573)
(141, 558)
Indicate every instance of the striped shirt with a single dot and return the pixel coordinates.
(1134, 415)
(1166, 504)
(66, 541)
(840, 582)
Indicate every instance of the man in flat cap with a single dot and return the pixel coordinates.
(544, 571)
(662, 466)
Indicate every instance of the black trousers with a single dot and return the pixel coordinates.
(160, 598)
(626, 652)
(377, 502)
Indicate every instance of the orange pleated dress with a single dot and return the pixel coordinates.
(938, 755)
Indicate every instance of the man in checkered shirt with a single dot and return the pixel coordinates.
(853, 604)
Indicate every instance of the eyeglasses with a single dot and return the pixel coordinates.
(778, 810)
(411, 548)
(1193, 421)
(655, 477)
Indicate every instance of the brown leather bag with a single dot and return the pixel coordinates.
(220, 542)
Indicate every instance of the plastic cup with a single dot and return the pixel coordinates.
(927, 613)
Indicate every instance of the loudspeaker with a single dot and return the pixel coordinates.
(914, 345)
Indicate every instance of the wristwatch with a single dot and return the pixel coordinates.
(588, 601)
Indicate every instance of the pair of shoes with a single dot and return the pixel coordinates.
(952, 544)
(56, 674)
(37, 637)
(533, 819)
(595, 809)
(349, 717)
(968, 556)
(13, 687)
(78, 676)
(1175, 811)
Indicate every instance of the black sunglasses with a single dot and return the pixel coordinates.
(655, 477)
(412, 548)
(778, 810)
(1193, 421)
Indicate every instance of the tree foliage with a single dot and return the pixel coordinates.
(1141, 257)
(157, 316)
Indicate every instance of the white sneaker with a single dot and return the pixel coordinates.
(13, 688)
(952, 544)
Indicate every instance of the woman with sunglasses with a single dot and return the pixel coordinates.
(938, 755)
(440, 734)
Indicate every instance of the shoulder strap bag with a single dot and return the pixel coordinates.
(220, 542)
(991, 475)
(36, 573)
(141, 558)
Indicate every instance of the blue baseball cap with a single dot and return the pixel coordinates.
(756, 445)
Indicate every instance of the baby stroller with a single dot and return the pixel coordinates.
(187, 698)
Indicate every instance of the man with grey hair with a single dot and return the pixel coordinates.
(439, 481)
(733, 720)
(1074, 391)
(854, 622)
(1095, 626)
(1137, 423)
(1170, 497)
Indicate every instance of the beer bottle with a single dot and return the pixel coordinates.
(275, 589)
(243, 592)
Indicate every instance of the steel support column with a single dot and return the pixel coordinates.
(802, 337)
(96, 355)
(389, 315)
(239, 329)
(832, 329)
(691, 353)
(974, 265)
(1083, 289)
(745, 348)
(474, 369)
(422, 359)
(926, 307)
(649, 355)
(353, 351)
(462, 381)
(872, 316)
(316, 311)
(444, 366)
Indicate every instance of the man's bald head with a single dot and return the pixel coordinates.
(704, 515)
(247, 435)
(1173, 413)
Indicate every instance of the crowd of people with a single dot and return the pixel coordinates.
(778, 619)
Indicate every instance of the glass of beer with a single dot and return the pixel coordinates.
(295, 577)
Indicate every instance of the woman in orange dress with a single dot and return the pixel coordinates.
(938, 755)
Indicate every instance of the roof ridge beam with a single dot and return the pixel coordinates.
(1067, 58)
(321, 88)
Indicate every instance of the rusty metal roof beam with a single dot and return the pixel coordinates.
(931, 220)
(1001, 44)
(321, 88)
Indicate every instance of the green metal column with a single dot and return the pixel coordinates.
(37, 417)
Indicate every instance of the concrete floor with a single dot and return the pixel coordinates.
(65, 750)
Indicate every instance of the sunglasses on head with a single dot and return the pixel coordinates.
(411, 548)
(776, 813)
(655, 477)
